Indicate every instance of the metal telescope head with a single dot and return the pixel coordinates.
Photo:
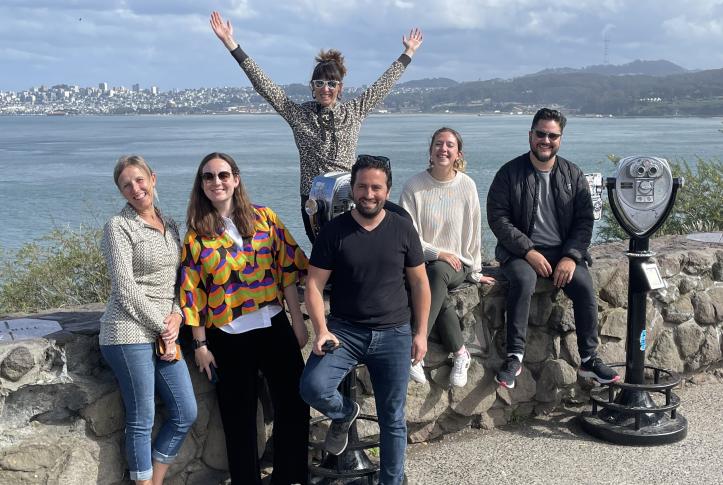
(330, 196)
(642, 194)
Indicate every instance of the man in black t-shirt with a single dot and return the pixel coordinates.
(366, 253)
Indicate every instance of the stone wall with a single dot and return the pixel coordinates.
(62, 416)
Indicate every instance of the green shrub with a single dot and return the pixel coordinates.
(61, 269)
(697, 208)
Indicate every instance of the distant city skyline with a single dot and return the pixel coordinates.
(168, 43)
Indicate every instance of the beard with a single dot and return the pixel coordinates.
(544, 158)
(369, 212)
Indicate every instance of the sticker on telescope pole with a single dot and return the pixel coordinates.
(643, 334)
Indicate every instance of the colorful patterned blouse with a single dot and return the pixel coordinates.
(219, 282)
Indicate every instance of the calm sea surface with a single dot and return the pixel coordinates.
(57, 171)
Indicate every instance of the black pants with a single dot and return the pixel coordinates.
(275, 352)
(522, 279)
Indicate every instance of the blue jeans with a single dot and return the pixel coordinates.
(139, 372)
(386, 354)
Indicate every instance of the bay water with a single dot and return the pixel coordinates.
(56, 172)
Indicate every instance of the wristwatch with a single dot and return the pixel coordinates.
(197, 344)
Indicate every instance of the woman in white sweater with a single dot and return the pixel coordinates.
(444, 206)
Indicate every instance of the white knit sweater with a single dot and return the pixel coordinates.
(446, 216)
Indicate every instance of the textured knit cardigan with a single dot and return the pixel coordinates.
(326, 137)
(143, 268)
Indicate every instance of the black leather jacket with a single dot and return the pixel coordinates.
(512, 203)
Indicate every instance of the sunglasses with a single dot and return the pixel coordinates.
(320, 83)
(544, 134)
(210, 176)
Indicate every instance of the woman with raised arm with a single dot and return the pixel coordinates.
(239, 266)
(326, 130)
(142, 250)
(445, 209)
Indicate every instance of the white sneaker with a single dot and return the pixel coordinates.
(417, 372)
(458, 377)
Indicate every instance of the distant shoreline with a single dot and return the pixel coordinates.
(571, 115)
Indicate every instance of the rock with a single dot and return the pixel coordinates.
(665, 353)
(611, 352)
(615, 324)
(717, 271)
(540, 310)
(669, 263)
(689, 337)
(464, 299)
(17, 363)
(704, 307)
(698, 262)
(568, 349)
(686, 284)
(679, 311)
(214, 451)
(710, 351)
(493, 310)
(555, 374)
(524, 390)
(106, 415)
(493, 418)
(541, 345)
(476, 334)
(479, 393)
(615, 291)
(425, 402)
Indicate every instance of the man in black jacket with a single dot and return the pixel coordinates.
(540, 210)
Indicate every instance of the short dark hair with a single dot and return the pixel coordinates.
(549, 114)
(364, 162)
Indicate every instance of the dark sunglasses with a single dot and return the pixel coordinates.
(210, 176)
(320, 83)
(545, 134)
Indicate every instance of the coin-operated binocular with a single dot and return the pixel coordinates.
(641, 195)
(330, 196)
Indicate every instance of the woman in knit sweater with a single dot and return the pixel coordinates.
(142, 251)
(444, 206)
(326, 131)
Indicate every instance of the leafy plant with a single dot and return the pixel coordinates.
(697, 208)
(61, 269)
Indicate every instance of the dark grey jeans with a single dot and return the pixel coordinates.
(442, 278)
(522, 279)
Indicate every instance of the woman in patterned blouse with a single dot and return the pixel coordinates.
(142, 250)
(326, 131)
(239, 265)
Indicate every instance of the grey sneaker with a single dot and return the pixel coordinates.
(596, 369)
(337, 438)
(511, 368)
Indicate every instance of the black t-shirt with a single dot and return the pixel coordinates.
(367, 279)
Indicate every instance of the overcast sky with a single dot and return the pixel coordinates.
(169, 43)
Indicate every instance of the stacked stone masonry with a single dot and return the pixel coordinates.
(62, 416)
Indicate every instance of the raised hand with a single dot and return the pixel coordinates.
(223, 30)
(412, 43)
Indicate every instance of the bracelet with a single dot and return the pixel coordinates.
(197, 344)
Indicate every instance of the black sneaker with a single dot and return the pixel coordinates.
(510, 369)
(338, 435)
(595, 368)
